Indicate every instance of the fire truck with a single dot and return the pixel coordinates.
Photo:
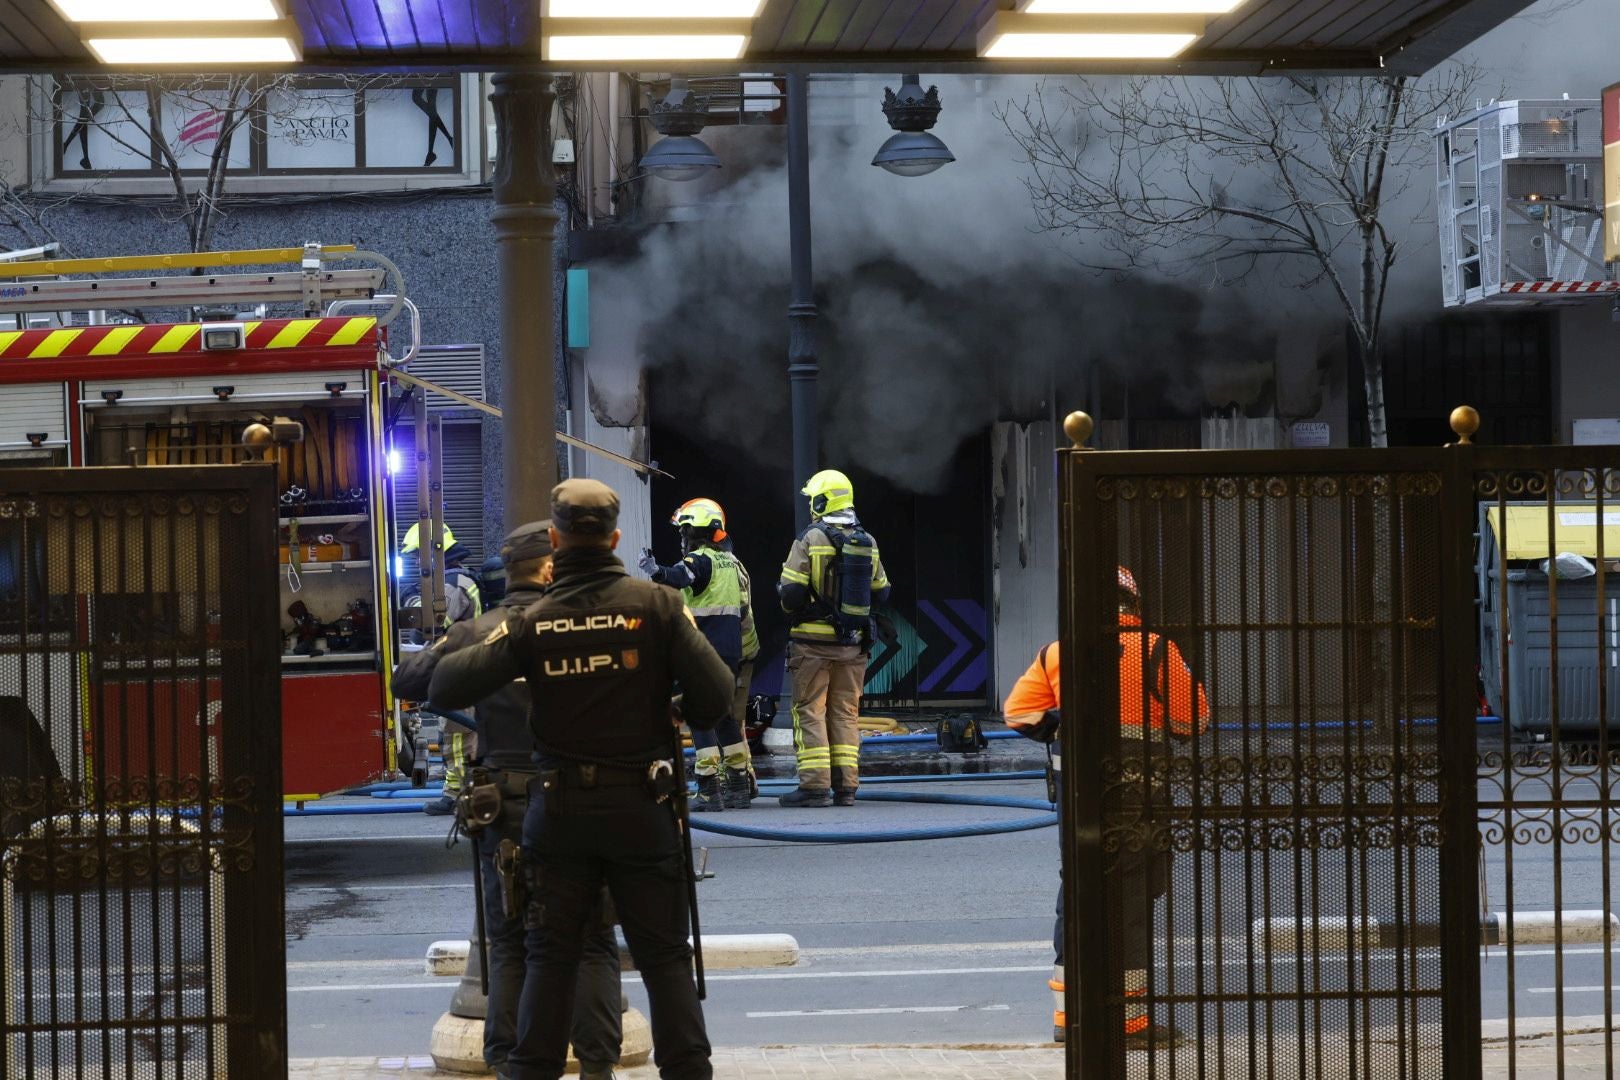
(86, 383)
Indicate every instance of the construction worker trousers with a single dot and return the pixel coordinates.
(727, 739)
(621, 837)
(827, 683)
(597, 1032)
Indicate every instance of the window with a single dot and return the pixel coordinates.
(276, 126)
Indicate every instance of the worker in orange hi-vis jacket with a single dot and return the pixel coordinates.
(1159, 700)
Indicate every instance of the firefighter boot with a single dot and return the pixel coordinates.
(1060, 1019)
(710, 795)
(804, 796)
(843, 790)
(740, 790)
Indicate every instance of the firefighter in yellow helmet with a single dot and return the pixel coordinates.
(714, 584)
(830, 581)
(462, 601)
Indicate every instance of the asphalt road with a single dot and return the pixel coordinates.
(930, 941)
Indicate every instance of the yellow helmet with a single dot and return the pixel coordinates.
(701, 514)
(413, 539)
(829, 491)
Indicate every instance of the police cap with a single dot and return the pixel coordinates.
(527, 542)
(584, 508)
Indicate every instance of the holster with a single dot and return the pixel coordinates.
(479, 804)
(512, 869)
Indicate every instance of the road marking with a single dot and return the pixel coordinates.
(760, 976)
(352, 839)
(879, 1012)
(376, 888)
(1567, 989)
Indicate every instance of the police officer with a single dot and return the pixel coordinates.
(832, 577)
(714, 584)
(601, 653)
(506, 752)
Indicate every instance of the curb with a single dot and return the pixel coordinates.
(721, 952)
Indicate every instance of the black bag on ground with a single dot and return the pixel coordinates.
(960, 733)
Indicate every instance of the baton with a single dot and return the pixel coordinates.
(683, 822)
(478, 898)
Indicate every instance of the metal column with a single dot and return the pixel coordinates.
(802, 366)
(525, 220)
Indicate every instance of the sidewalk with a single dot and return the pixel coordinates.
(779, 1063)
(1533, 1057)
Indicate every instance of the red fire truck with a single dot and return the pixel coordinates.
(86, 385)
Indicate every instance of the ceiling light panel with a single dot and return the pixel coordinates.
(601, 48)
(227, 51)
(147, 11)
(1128, 7)
(650, 9)
(1020, 36)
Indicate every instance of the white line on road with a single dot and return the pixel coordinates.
(352, 839)
(760, 976)
(1567, 989)
(879, 1012)
(376, 888)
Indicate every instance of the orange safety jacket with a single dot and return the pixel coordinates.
(1175, 699)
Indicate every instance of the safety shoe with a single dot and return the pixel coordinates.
(807, 797)
(440, 807)
(709, 798)
(740, 789)
(595, 1072)
(844, 796)
(1156, 1037)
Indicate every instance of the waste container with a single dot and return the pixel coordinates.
(1517, 547)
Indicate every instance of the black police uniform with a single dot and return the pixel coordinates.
(506, 748)
(601, 653)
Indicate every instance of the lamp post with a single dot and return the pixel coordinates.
(802, 364)
(911, 151)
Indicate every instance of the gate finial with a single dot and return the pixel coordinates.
(1465, 422)
(256, 439)
(1078, 427)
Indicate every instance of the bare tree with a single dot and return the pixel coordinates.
(1232, 173)
(190, 131)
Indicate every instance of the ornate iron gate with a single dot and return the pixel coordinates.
(141, 903)
(1279, 784)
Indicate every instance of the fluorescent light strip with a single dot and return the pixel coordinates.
(1019, 36)
(192, 51)
(601, 48)
(145, 11)
(650, 9)
(1088, 46)
(1129, 7)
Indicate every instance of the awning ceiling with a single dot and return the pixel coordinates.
(933, 36)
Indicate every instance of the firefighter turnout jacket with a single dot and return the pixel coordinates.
(715, 586)
(1156, 689)
(600, 651)
(832, 577)
(504, 738)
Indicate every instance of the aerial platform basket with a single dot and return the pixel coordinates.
(1520, 204)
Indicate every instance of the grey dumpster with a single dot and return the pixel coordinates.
(1524, 698)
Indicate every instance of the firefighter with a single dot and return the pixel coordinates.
(601, 653)
(831, 579)
(1176, 709)
(463, 600)
(506, 750)
(714, 584)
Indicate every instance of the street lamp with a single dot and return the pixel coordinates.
(678, 116)
(912, 150)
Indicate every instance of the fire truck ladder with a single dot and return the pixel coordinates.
(312, 285)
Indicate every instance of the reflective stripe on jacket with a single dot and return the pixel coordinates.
(723, 609)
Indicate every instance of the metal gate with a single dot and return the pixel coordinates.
(141, 902)
(1281, 790)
